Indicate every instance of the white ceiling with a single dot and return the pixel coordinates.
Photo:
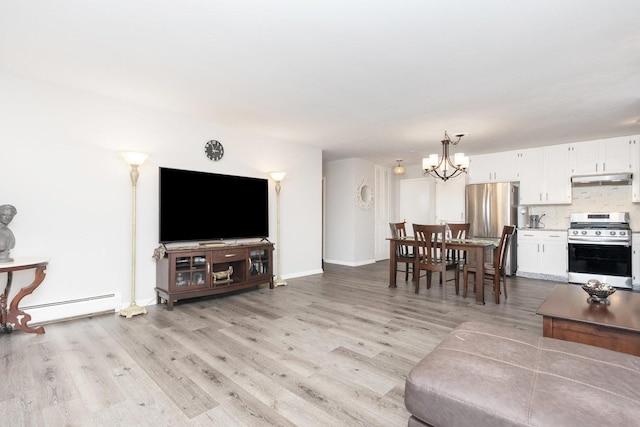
(376, 79)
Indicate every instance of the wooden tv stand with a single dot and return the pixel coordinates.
(191, 272)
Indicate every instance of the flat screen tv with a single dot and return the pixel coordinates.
(202, 206)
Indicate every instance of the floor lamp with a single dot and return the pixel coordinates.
(278, 177)
(134, 159)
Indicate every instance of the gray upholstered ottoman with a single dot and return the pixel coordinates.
(488, 375)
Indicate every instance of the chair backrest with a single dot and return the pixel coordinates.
(500, 257)
(430, 244)
(458, 231)
(399, 231)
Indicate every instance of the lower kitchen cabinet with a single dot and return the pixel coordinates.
(542, 254)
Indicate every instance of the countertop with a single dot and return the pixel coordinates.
(543, 229)
(557, 229)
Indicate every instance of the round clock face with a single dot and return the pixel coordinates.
(213, 150)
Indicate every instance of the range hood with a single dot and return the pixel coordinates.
(606, 179)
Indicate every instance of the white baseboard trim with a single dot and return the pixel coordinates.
(541, 276)
(63, 310)
(302, 274)
(350, 264)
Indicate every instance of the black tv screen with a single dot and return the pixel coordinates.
(202, 206)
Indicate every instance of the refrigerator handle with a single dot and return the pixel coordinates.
(488, 196)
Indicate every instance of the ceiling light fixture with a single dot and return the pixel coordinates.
(399, 170)
(445, 167)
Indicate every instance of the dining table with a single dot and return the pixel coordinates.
(473, 246)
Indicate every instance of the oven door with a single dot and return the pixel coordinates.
(609, 263)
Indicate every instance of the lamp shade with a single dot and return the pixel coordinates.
(277, 176)
(399, 170)
(134, 158)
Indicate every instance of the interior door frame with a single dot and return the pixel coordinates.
(382, 211)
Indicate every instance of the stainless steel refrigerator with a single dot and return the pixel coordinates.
(488, 208)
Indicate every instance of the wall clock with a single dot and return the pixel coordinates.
(213, 150)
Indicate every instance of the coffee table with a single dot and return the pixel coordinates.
(568, 316)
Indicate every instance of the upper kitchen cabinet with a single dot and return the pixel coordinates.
(546, 179)
(494, 167)
(635, 164)
(601, 156)
(450, 200)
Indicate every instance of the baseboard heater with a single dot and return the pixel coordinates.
(71, 309)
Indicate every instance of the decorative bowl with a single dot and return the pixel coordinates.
(598, 292)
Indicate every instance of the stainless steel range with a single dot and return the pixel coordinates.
(600, 248)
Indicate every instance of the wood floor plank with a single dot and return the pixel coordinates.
(155, 351)
(328, 349)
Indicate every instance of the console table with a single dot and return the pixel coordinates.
(13, 317)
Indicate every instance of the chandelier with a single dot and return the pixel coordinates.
(444, 167)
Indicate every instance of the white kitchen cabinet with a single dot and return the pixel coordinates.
(555, 253)
(495, 167)
(635, 167)
(544, 176)
(528, 250)
(610, 155)
(557, 179)
(531, 177)
(480, 168)
(450, 199)
(542, 254)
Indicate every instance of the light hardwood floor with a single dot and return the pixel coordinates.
(326, 350)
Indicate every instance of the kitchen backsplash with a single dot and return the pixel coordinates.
(606, 198)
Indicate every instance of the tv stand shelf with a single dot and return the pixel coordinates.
(183, 273)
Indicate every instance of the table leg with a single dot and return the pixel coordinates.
(547, 326)
(19, 318)
(3, 304)
(479, 275)
(393, 265)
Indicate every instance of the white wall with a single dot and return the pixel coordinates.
(61, 170)
(350, 231)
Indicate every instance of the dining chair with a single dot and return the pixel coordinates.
(431, 255)
(404, 253)
(495, 269)
(458, 231)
